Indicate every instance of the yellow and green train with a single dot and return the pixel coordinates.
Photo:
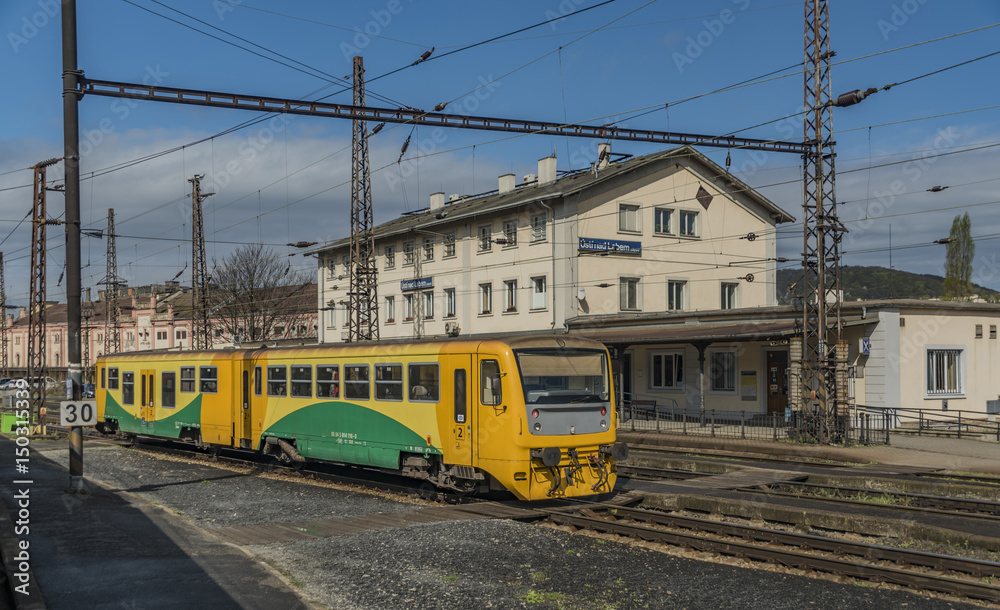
(533, 415)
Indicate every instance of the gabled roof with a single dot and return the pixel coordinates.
(567, 185)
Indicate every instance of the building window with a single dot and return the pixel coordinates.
(722, 371)
(945, 371)
(408, 307)
(689, 224)
(388, 382)
(628, 293)
(450, 306)
(539, 296)
(675, 295)
(180, 334)
(409, 256)
(979, 331)
(277, 381)
(448, 242)
(661, 221)
(510, 232)
(539, 224)
(428, 304)
(347, 265)
(666, 370)
(485, 238)
(993, 331)
(628, 218)
(428, 249)
(331, 268)
(486, 298)
(390, 256)
(390, 309)
(161, 335)
(510, 294)
(728, 295)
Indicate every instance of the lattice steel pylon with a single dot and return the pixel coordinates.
(821, 399)
(112, 310)
(4, 343)
(36, 307)
(363, 307)
(201, 337)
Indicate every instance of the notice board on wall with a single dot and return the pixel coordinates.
(748, 385)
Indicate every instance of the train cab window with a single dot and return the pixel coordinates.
(128, 388)
(103, 371)
(209, 377)
(424, 382)
(389, 381)
(187, 379)
(258, 381)
(277, 377)
(489, 379)
(302, 381)
(327, 381)
(356, 381)
(113, 378)
(168, 388)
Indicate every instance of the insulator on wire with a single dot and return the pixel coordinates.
(423, 57)
(937, 189)
(377, 129)
(402, 152)
(440, 106)
(729, 161)
(852, 97)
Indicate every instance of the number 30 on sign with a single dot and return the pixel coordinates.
(78, 413)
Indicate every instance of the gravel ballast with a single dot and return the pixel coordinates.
(459, 564)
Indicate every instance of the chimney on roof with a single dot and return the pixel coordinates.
(547, 170)
(603, 155)
(529, 178)
(507, 183)
(454, 197)
(437, 201)
(87, 293)
(21, 312)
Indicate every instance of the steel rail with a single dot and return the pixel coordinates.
(800, 559)
(156, 93)
(660, 473)
(731, 458)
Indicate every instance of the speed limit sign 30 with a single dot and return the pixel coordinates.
(78, 413)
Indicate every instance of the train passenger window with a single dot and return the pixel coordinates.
(327, 381)
(257, 381)
(168, 388)
(489, 380)
(356, 381)
(187, 379)
(113, 378)
(209, 379)
(461, 400)
(128, 388)
(103, 371)
(277, 377)
(302, 381)
(389, 381)
(424, 382)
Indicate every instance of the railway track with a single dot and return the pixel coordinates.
(719, 456)
(915, 569)
(658, 473)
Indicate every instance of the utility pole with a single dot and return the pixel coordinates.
(201, 337)
(821, 392)
(363, 295)
(112, 311)
(36, 313)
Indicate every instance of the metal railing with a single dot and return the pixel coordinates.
(865, 426)
(962, 424)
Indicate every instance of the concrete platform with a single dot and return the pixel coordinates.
(107, 549)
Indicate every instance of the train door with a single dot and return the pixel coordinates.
(463, 412)
(146, 394)
(245, 416)
(489, 399)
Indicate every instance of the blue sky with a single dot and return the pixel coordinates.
(288, 180)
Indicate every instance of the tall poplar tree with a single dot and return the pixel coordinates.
(958, 260)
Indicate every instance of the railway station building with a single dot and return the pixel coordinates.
(671, 262)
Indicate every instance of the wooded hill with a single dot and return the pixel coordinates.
(873, 283)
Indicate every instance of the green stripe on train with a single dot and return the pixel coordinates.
(346, 432)
(188, 416)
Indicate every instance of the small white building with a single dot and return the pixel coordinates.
(666, 232)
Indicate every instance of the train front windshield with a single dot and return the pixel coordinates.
(564, 376)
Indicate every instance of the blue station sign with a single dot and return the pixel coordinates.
(417, 284)
(614, 246)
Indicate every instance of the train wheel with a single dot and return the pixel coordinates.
(213, 451)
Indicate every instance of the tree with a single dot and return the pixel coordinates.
(958, 260)
(253, 294)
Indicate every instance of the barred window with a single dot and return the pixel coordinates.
(722, 371)
(945, 371)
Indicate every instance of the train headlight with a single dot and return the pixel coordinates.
(538, 426)
(534, 413)
(604, 424)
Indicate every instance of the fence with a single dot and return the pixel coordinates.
(963, 424)
(865, 426)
